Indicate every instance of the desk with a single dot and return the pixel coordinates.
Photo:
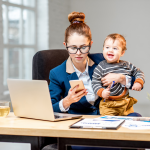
(22, 130)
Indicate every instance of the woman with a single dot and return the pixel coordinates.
(80, 65)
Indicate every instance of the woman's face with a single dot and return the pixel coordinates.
(77, 41)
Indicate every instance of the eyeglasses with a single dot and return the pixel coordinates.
(73, 49)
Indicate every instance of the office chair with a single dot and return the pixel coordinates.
(42, 63)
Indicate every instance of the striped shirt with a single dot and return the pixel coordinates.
(123, 67)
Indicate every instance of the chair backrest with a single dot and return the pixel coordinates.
(44, 61)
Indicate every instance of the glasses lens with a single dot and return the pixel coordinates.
(84, 49)
(72, 50)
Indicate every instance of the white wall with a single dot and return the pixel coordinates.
(58, 22)
(42, 24)
(130, 18)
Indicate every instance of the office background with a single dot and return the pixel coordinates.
(27, 26)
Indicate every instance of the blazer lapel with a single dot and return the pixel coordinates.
(91, 69)
(70, 70)
(72, 76)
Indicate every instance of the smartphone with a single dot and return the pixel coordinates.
(74, 83)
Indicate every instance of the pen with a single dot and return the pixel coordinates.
(141, 119)
(110, 87)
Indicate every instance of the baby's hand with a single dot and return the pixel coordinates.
(137, 86)
(106, 93)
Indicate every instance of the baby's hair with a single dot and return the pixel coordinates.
(116, 36)
(78, 25)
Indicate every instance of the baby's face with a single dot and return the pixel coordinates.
(112, 51)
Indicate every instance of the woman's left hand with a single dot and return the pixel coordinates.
(109, 78)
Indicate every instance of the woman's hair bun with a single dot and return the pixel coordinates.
(76, 17)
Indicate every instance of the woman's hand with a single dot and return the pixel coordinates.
(109, 78)
(73, 97)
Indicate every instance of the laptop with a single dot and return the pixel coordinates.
(31, 99)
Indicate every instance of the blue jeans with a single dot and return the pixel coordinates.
(135, 115)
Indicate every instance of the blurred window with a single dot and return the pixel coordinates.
(19, 38)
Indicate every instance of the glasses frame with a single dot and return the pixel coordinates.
(78, 49)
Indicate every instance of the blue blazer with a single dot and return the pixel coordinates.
(59, 87)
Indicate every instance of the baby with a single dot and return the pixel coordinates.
(116, 101)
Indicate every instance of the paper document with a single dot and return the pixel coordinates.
(130, 122)
(125, 118)
(136, 125)
(115, 117)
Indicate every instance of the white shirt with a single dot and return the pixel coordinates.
(91, 97)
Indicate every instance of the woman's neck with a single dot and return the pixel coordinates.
(80, 66)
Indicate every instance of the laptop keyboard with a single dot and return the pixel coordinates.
(57, 116)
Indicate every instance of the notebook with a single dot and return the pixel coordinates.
(31, 99)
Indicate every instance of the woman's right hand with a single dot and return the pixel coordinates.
(73, 97)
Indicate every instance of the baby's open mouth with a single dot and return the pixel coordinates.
(110, 55)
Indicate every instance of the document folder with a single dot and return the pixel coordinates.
(98, 124)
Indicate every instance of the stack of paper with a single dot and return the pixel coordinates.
(143, 123)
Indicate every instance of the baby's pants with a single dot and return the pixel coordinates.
(118, 107)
